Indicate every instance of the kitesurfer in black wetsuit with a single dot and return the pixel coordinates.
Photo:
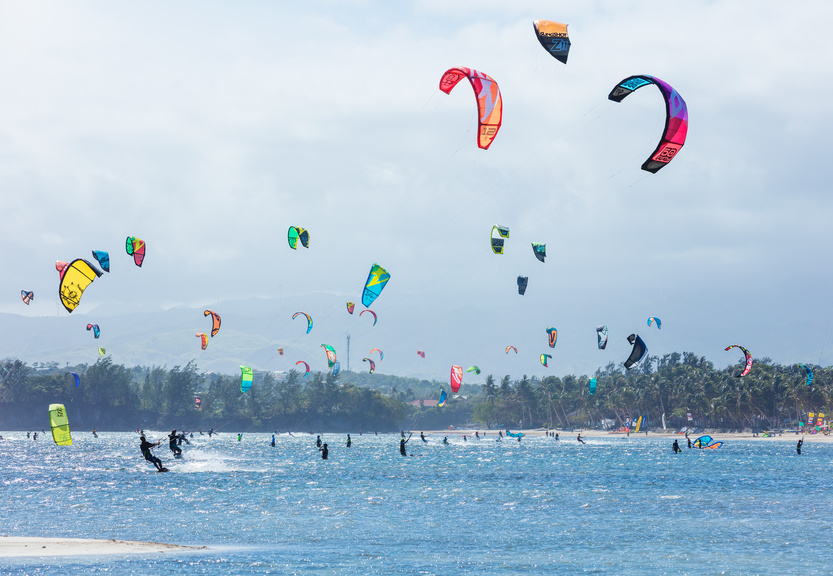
(324, 451)
(675, 447)
(145, 448)
(172, 443)
(579, 438)
(318, 441)
(349, 441)
(422, 436)
(798, 446)
(402, 443)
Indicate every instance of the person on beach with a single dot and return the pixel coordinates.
(324, 451)
(675, 447)
(318, 441)
(798, 446)
(145, 447)
(402, 443)
(349, 441)
(273, 441)
(579, 438)
(172, 443)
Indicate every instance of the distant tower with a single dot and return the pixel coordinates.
(348, 352)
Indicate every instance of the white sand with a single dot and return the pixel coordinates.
(13, 546)
(669, 433)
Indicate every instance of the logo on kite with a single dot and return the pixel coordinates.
(748, 367)
(351, 306)
(60, 425)
(510, 347)
(522, 283)
(102, 352)
(657, 320)
(553, 37)
(215, 321)
(497, 242)
(295, 234)
(474, 369)
(372, 364)
(456, 378)
(443, 398)
(637, 353)
(306, 366)
(246, 377)
(540, 251)
(601, 335)
(27, 296)
(592, 386)
(376, 281)
(307, 316)
(103, 259)
(544, 358)
(421, 353)
(372, 312)
(676, 118)
(203, 339)
(135, 248)
(489, 102)
(75, 278)
(331, 355)
(96, 330)
(381, 354)
(552, 333)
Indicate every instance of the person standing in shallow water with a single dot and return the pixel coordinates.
(318, 441)
(675, 447)
(798, 446)
(349, 441)
(324, 451)
(273, 441)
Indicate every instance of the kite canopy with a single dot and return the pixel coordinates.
(381, 354)
(421, 353)
(372, 364)
(203, 339)
(307, 316)
(75, 277)
(474, 369)
(497, 242)
(27, 296)
(443, 398)
(553, 37)
(748, 367)
(103, 258)
(246, 378)
(135, 248)
(215, 321)
(638, 351)
(510, 347)
(706, 442)
(540, 251)
(657, 320)
(489, 102)
(336, 368)
(77, 379)
(676, 118)
(372, 312)
(197, 402)
(331, 355)
(96, 330)
(601, 335)
(376, 281)
(102, 352)
(306, 366)
(544, 358)
(809, 374)
(295, 234)
(522, 283)
(456, 378)
(60, 425)
(280, 351)
(592, 386)
(351, 306)
(552, 333)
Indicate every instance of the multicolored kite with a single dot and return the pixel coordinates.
(215, 321)
(102, 352)
(376, 281)
(280, 351)
(60, 425)
(75, 277)
(331, 355)
(307, 316)
(421, 353)
(135, 248)
(203, 339)
(544, 358)
(351, 306)
(474, 369)
(197, 402)
(657, 320)
(676, 118)
(497, 242)
(27, 296)
(381, 354)
(372, 312)
(601, 335)
(552, 333)
(456, 378)
(637, 353)
(443, 398)
(305, 366)
(748, 367)
(809, 374)
(246, 378)
(96, 330)
(510, 347)
(540, 251)
(297, 233)
(489, 102)
(553, 37)
(372, 364)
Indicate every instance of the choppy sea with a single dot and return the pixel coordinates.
(613, 506)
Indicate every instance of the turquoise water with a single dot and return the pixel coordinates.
(612, 506)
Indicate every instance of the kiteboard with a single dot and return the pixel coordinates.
(163, 470)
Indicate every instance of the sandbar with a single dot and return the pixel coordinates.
(16, 546)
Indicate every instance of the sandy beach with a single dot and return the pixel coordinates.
(670, 434)
(13, 546)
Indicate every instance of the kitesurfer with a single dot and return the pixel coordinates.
(210, 432)
(689, 440)
(273, 441)
(324, 451)
(172, 443)
(477, 434)
(675, 447)
(349, 441)
(579, 438)
(35, 436)
(318, 441)
(422, 436)
(94, 434)
(798, 446)
(500, 434)
(445, 440)
(145, 447)
(239, 437)
(402, 443)
(556, 436)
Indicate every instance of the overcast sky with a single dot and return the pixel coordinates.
(208, 128)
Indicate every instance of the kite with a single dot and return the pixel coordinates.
(421, 353)
(510, 347)
(381, 354)
(376, 281)
(456, 378)
(443, 398)
(544, 359)
(522, 282)
(351, 306)
(61, 267)
(706, 442)
(77, 379)
(372, 364)
(809, 374)
(489, 102)
(309, 319)
(601, 334)
(280, 351)
(540, 251)
(336, 368)
(553, 37)
(497, 243)
(135, 248)
(592, 386)
(305, 365)
(215, 321)
(102, 352)
(246, 378)
(60, 425)
(27, 296)
(103, 259)
(657, 320)
(96, 330)
(553, 336)
(474, 369)
(197, 402)
(676, 118)
(748, 360)
(203, 339)
(639, 350)
(518, 435)
(75, 278)
(297, 233)
(372, 312)
(331, 355)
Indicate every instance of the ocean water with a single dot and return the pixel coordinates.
(612, 506)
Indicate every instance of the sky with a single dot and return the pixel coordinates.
(208, 128)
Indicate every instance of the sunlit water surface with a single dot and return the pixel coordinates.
(613, 506)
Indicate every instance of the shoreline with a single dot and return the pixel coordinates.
(26, 547)
(668, 434)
